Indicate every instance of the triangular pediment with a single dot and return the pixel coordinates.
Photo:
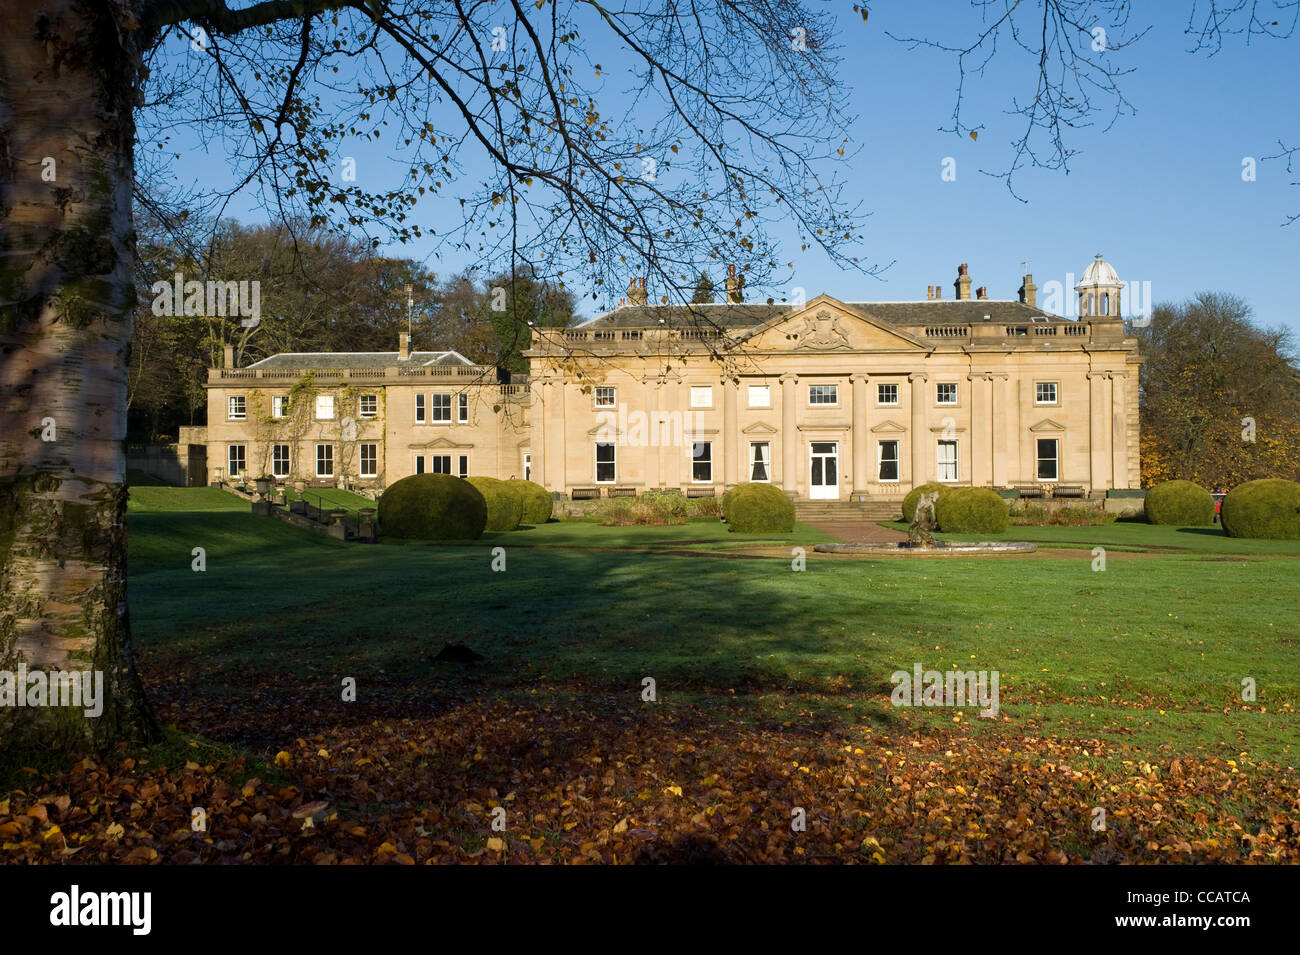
(758, 427)
(439, 442)
(1047, 424)
(828, 326)
(889, 427)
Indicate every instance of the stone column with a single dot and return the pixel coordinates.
(980, 410)
(1098, 420)
(860, 436)
(789, 433)
(917, 434)
(653, 461)
(1000, 405)
(555, 451)
(537, 438)
(730, 426)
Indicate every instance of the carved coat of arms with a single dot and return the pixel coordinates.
(822, 331)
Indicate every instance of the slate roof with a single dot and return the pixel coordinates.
(357, 359)
(749, 314)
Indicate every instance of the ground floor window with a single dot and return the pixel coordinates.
(441, 463)
(369, 460)
(888, 461)
(528, 467)
(1047, 459)
(760, 461)
(279, 460)
(947, 461)
(604, 463)
(235, 460)
(462, 466)
(702, 462)
(324, 460)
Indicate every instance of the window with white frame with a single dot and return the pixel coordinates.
(760, 396)
(701, 396)
(279, 406)
(324, 460)
(946, 393)
(369, 460)
(528, 466)
(887, 461)
(279, 460)
(235, 460)
(605, 459)
(419, 411)
(324, 407)
(760, 461)
(1048, 464)
(440, 463)
(823, 394)
(236, 407)
(369, 406)
(702, 462)
(887, 394)
(1044, 392)
(605, 396)
(419, 464)
(441, 405)
(947, 458)
(462, 466)
(462, 407)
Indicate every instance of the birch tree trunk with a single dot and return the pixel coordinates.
(70, 75)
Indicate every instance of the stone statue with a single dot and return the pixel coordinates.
(921, 531)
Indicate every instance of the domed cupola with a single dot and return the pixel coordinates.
(1099, 290)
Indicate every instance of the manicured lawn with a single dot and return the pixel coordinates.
(1151, 653)
(332, 497)
(1134, 536)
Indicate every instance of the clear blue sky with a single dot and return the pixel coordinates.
(1160, 194)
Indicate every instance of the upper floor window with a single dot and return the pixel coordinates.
(823, 394)
(1045, 392)
(701, 396)
(605, 396)
(760, 396)
(279, 406)
(369, 406)
(886, 394)
(947, 393)
(441, 404)
(324, 407)
(237, 407)
(419, 411)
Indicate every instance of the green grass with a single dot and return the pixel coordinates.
(332, 497)
(1081, 654)
(1133, 535)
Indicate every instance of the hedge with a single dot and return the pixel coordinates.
(758, 509)
(536, 500)
(1180, 503)
(432, 507)
(505, 505)
(914, 495)
(971, 510)
(1268, 508)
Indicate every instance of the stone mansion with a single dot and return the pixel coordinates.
(829, 400)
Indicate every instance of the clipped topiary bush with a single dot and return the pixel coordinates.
(536, 501)
(432, 507)
(505, 505)
(914, 495)
(1268, 508)
(1180, 503)
(758, 509)
(971, 510)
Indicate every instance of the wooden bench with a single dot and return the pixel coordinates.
(1068, 490)
(1032, 490)
(701, 492)
(622, 492)
(585, 493)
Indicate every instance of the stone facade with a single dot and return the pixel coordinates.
(829, 400)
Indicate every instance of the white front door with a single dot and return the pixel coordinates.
(824, 471)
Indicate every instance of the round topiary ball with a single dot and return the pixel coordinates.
(914, 495)
(971, 510)
(1180, 503)
(1267, 508)
(758, 509)
(505, 506)
(432, 507)
(536, 500)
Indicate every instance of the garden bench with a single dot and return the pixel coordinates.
(1068, 490)
(585, 493)
(701, 492)
(1029, 490)
(622, 492)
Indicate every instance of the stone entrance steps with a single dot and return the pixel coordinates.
(831, 511)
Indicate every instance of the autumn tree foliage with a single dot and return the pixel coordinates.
(1220, 397)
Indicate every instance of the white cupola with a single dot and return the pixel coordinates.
(1099, 290)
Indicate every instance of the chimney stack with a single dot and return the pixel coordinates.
(228, 357)
(735, 283)
(403, 347)
(962, 285)
(1029, 292)
(982, 292)
(929, 293)
(938, 292)
(636, 291)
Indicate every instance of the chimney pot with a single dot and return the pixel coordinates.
(938, 292)
(981, 292)
(929, 293)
